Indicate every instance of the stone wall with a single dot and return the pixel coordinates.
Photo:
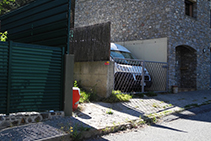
(130, 19)
(21, 118)
(192, 32)
(150, 19)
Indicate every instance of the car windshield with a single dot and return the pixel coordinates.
(122, 55)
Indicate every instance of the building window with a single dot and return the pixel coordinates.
(190, 8)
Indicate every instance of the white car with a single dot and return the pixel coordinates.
(127, 74)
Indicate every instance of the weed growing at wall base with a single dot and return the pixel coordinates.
(86, 96)
(109, 112)
(117, 96)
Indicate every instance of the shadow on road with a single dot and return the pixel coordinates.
(169, 128)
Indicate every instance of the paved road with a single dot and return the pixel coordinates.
(192, 125)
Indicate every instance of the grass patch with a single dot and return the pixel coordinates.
(150, 94)
(140, 95)
(181, 99)
(136, 106)
(191, 105)
(206, 102)
(110, 112)
(155, 105)
(91, 96)
(86, 96)
(74, 131)
(170, 105)
(117, 96)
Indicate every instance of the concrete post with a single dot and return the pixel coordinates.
(68, 92)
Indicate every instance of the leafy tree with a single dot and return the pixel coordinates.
(6, 5)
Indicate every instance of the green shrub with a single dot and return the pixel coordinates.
(75, 84)
(109, 112)
(91, 96)
(84, 97)
(3, 36)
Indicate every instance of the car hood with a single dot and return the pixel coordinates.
(129, 68)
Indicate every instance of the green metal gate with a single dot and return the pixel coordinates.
(31, 77)
(4, 55)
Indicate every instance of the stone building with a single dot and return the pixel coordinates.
(185, 24)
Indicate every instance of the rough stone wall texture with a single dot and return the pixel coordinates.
(186, 64)
(149, 19)
(21, 118)
(130, 19)
(192, 32)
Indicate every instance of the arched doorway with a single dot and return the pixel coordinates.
(186, 64)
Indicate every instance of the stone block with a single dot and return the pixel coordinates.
(22, 121)
(37, 119)
(5, 124)
(44, 115)
(2, 118)
(29, 120)
(15, 123)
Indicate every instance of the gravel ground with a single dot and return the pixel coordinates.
(41, 130)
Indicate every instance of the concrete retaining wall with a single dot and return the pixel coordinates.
(96, 76)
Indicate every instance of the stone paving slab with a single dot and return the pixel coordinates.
(95, 116)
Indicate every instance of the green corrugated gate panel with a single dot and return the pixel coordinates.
(36, 84)
(43, 22)
(31, 77)
(4, 56)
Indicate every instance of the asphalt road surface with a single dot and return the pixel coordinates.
(191, 125)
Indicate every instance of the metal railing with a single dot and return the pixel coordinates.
(128, 75)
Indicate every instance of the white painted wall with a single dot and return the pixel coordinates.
(149, 50)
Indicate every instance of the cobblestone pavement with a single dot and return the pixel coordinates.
(96, 115)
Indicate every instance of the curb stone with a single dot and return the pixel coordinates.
(129, 125)
(152, 119)
(111, 129)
